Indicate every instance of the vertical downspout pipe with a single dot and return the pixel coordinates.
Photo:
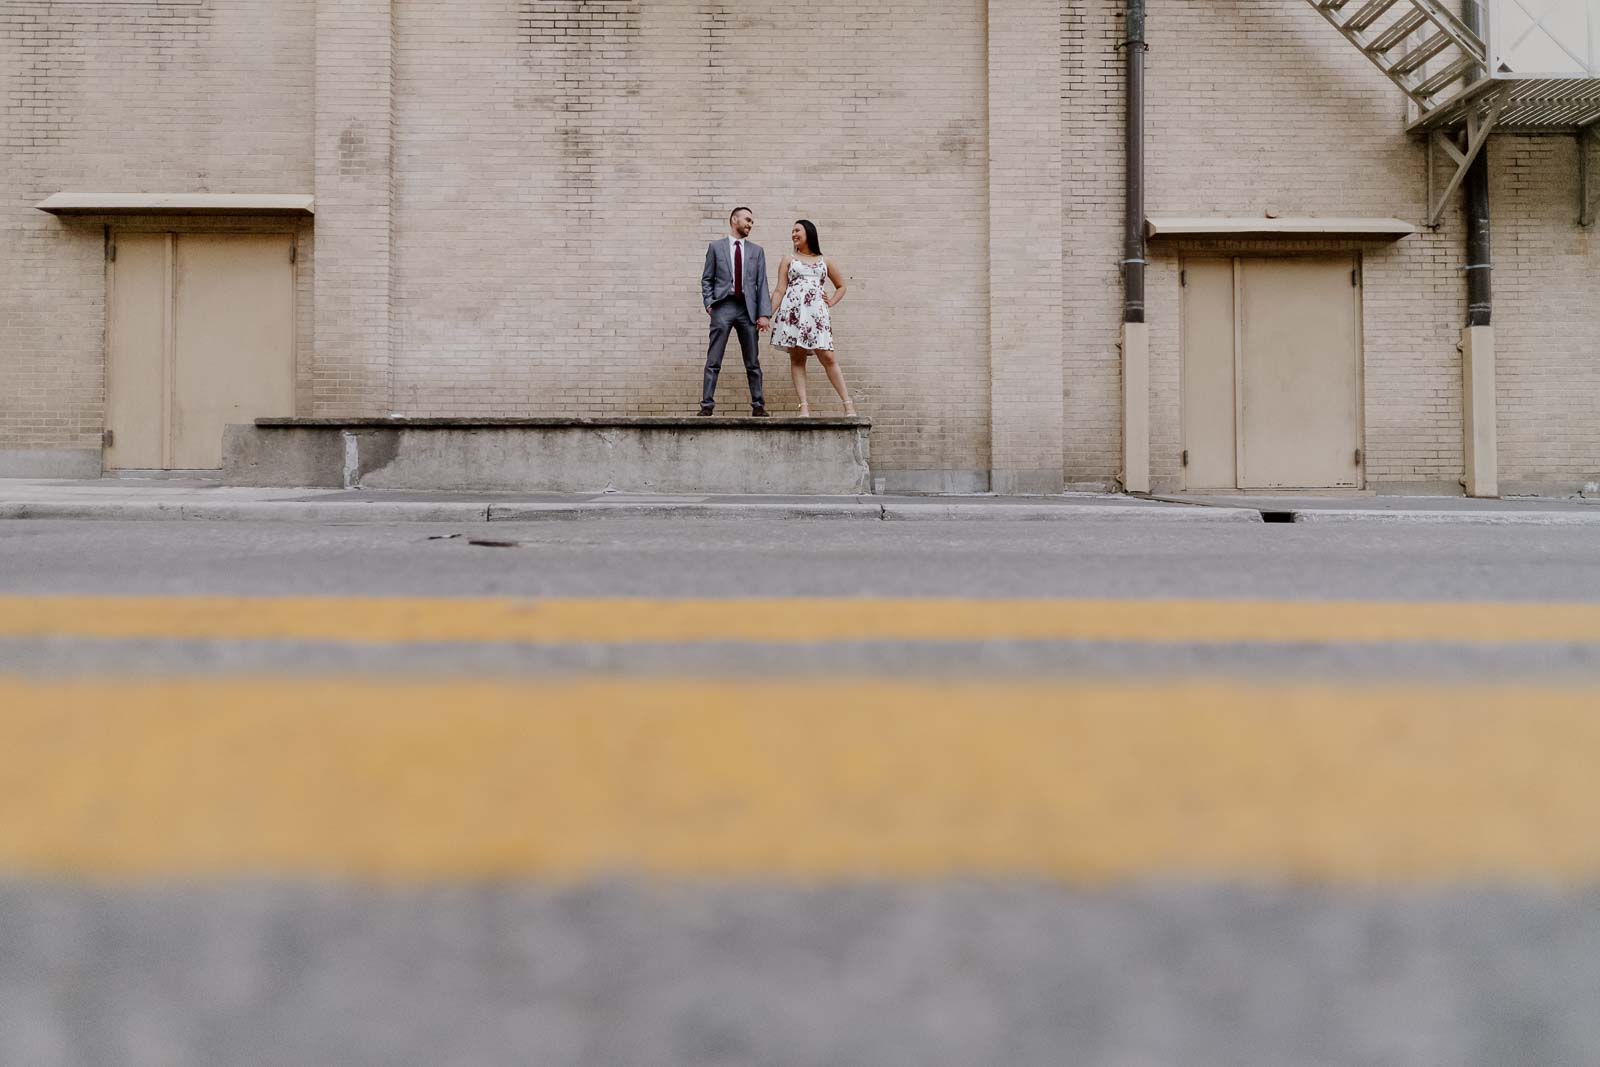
(1480, 259)
(1135, 333)
(1133, 254)
(1480, 437)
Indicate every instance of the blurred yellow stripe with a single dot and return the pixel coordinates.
(417, 620)
(429, 780)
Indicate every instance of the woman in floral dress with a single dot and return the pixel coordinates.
(800, 320)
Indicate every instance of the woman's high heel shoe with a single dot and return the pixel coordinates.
(805, 411)
(849, 408)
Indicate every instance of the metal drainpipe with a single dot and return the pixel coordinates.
(1480, 258)
(1133, 262)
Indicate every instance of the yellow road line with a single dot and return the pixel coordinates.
(417, 620)
(798, 780)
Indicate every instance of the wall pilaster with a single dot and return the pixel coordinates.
(355, 193)
(1025, 245)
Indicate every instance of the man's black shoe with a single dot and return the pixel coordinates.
(758, 413)
(705, 411)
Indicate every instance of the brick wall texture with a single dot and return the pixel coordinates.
(514, 197)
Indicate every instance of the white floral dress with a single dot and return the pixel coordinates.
(803, 320)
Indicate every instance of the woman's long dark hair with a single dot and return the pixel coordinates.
(812, 244)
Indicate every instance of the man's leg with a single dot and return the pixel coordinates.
(750, 346)
(721, 324)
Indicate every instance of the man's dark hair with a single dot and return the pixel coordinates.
(814, 246)
(736, 210)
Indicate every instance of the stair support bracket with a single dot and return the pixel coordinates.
(1461, 147)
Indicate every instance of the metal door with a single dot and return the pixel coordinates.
(201, 335)
(1299, 384)
(1271, 395)
(1209, 434)
(138, 373)
(233, 296)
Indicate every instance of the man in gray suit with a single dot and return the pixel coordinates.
(734, 289)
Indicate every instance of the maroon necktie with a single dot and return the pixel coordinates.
(738, 268)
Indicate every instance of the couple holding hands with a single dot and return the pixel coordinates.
(733, 287)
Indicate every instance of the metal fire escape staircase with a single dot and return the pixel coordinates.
(1443, 65)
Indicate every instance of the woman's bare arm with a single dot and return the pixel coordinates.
(836, 276)
(782, 287)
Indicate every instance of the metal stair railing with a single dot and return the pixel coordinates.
(1440, 60)
(1440, 63)
(1421, 45)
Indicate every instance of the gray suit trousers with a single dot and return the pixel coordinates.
(730, 315)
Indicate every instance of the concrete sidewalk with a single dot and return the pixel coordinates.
(163, 499)
(1372, 508)
(176, 500)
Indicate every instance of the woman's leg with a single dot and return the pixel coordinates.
(797, 375)
(830, 367)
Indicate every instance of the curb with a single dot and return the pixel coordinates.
(249, 511)
(869, 511)
(412, 511)
(1445, 518)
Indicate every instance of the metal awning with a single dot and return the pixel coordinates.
(1375, 229)
(178, 204)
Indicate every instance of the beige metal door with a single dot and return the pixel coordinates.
(201, 335)
(1271, 373)
(1299, 373)
(1209, 435)
(137, 370)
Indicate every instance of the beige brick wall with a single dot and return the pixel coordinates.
(562, 166)
(514, 198)
(1547, 315)
(1259, 105)
(128, 97)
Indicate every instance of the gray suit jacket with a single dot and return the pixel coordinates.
(716, 281)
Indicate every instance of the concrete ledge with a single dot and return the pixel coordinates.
(285, 456)
(74, 203)
(824, 456)
(1378, 229)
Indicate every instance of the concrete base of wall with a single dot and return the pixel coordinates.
(931, 482)
(1136, 407)
(644, 455)
(50, 463)
(1045, 482)
(1588, 487)
(1478, 412)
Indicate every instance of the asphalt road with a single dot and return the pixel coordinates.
(677, 557)
(750, 792)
